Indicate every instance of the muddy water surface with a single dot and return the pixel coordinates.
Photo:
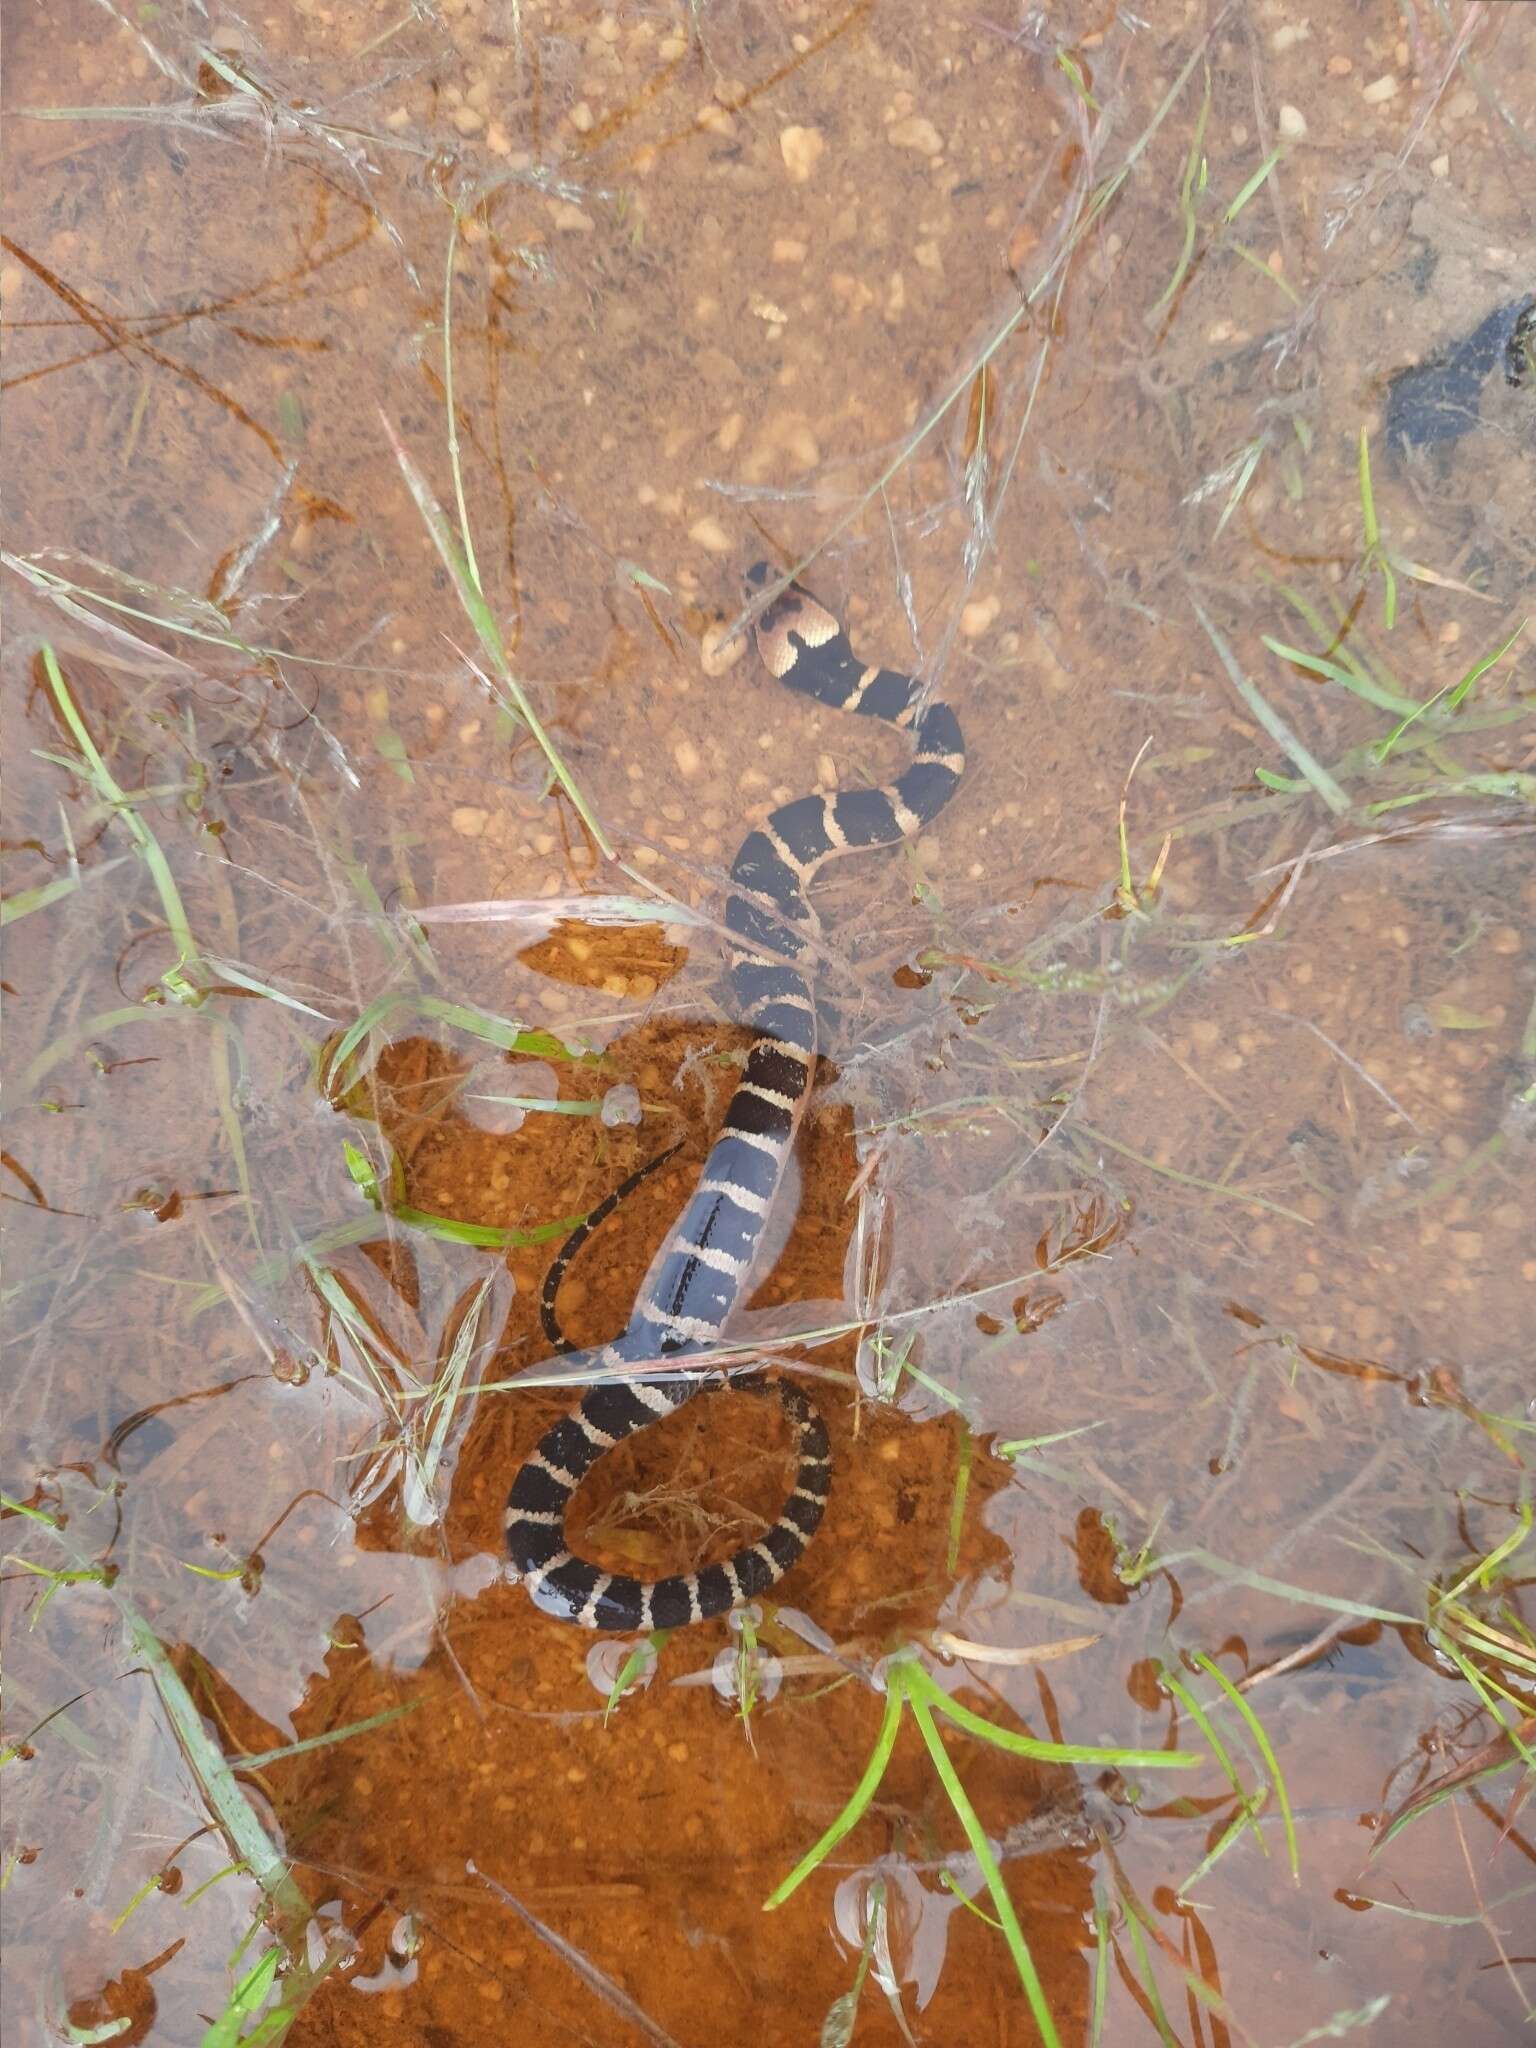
(1161, 1243)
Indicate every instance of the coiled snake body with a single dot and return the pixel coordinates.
(702, 1270)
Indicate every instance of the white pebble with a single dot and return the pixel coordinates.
(1292, 123)
(716, 653)
(1380, 90)
(915, 133)
(801, 149)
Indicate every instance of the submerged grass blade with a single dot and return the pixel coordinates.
(25, 901)
(1273, 723)
(1351, 675)
(151, 852)
(1266, 1751)
(466, 582)
(1148, 1982)
(958, 1500)
(1100, 1965)
(1202, 1721)
(1367, 495)
(981, 1849)
(1232, 1832)
(858, 1802)
(215, 1773)
(277, 1756)
(1303, 1596)
(920, 1685)
(482, 1024)
(238, 977)
(1247, 190)
(1017, 1446)
(1193, 178)
(1453, 695)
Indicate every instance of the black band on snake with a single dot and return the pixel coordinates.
(704, 1267)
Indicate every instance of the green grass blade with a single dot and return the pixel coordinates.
(1241, 481)
(1273, 723)
(1223, 1568)
(1017, 1446)
(466, 538)
(150, 850)
(25, 901)
(277, 1756)
(1481, 1573)
(478, 612)
(491, 1237)
(1246, 191)
(501, 1032)
(1262, 1743)
(1256, 262)
(921, 1686)
(99, 1026)
(958, 1500)
(1368, 495)
(1229, 1834)
(1202, 1721)
(1148, 1981)
(1192, 164)
(863, 1793)
(1453, 695)
(238, 977)
(1100, 1966)
(1354, 678)
(214, 1771)
(981, 1849)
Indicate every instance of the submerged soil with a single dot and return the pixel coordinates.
(1166, 1187)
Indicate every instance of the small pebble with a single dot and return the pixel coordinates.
(801, 149)
(1292, 123)
(1380, 90)
(977, 617)
(469, 821)
(709, 533)
(569, 219)
(716, 654)
(687, 757)
(915, 133)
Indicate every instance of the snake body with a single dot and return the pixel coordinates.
(702, 1271)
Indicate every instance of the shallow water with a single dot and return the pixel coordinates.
(1166, 1190)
